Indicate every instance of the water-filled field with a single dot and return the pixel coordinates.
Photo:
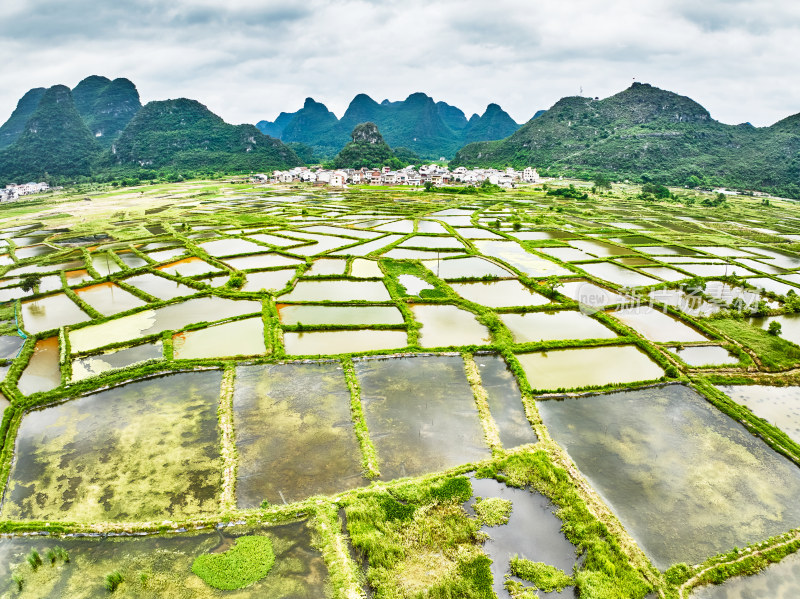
(686, 480)
(184, 357)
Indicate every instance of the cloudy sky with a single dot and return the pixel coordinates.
(248, 60)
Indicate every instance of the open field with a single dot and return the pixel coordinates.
(347, 373)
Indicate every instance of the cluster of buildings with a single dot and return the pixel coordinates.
(12, 192)
(411, 175)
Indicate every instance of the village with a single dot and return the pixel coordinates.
(12, 192)
(435, 174)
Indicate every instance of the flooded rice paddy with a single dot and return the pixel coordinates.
(588, 367)
(685, 480)
(321, 343)
(554, 326)
(160, 566)
(277, 286)
(421, 414)
(294, 433)
(140, 451)
(780, 406)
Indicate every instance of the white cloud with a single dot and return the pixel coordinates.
(248, 60)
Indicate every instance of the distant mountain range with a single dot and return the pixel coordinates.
(430, 129)
(99, 130)
(648, 134)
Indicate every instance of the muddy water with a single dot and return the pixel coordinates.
(50, 312)
(471, 267)
(108, 298)
(656, 326)
(104, 264)
(338, 291)
(299, 571)
(188, 267)
(444, 326)
(151, 322)
(112, 456)
(421, 414)
(93, 365)
(231, 247)
(326, 266)
(685, 480)
(589, 294)
(513, 254)
(343, 315)
(160, 287)
(320, 343)
(239, 338)
(533, 532)
(368, 247)
(790, 325)
(554, 326)
(43, 372)
(505, 401)
(499, 294)
(269, 280)
(614, 273)
(294, 433)
(780, 406)
(594, 366)
(426, 241)
(365, 269)
(705, 355)
(600, 249)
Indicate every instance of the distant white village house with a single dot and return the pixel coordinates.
(13, 192)
(410, 175)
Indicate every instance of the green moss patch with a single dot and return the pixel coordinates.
(248, 561)
(492, 511)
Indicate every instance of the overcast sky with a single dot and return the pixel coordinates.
(248, 60)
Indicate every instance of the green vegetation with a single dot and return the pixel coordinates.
(106, 106)
(417, 124)
(651, 136)
(606, 572)
(544, 578)
(492, 511)
(366, 150)
(55, 141)
(113, 580)
(248, 561)
(772, 351)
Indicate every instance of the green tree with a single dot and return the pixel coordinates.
(775, 328)
(601, 181)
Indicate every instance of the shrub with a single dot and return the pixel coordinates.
(34, 559)
(775, 328)
(113, 581)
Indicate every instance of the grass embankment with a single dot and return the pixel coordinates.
(773, 352)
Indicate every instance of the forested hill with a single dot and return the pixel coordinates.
(100, 130)
(431, 129)
(647, 134)
(185, 134)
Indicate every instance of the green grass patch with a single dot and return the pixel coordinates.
(492, 511)
(544, 577)
(775, 353)
(248, 561)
